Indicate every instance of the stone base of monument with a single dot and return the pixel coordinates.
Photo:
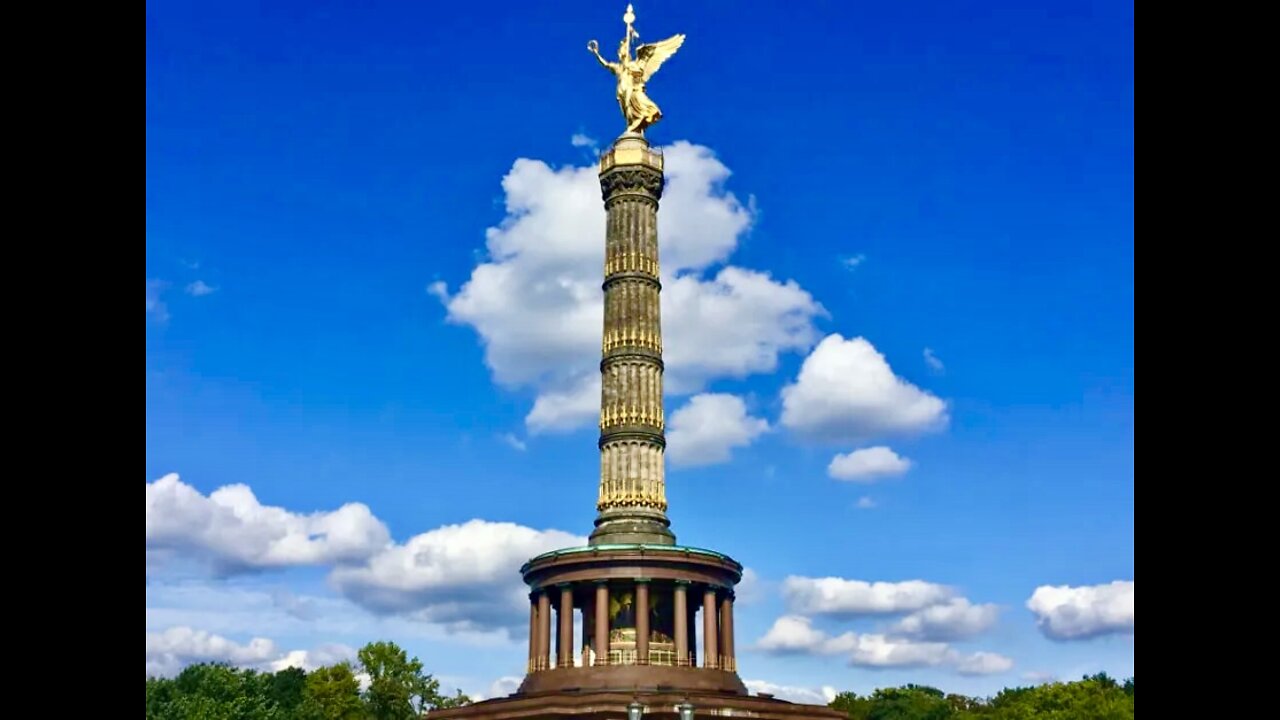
(657, 629)
(657, 705)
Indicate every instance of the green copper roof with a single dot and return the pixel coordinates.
(676, 549)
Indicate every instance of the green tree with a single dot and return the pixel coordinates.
(910, 702)
(213, 692)
(332, 693)
(285, 687)
(398, 689)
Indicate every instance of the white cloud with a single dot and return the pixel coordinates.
(566, 406)
(514, 442)
(847, 392)
(840, 597)
(853, 261)
(329, 654)
(734, 325)
(465, 575)
(984, 663)
(200, 288)
(931, 359)
(504, 686)
(952, 620)
(439, 289)
(537, 306)
(866, 502)
(175, 648)
(708, 427)
(793, 634)
(233, 532)
(868, 464)
(879, 651)
(811, 696)
(1076, 613)
(156, 309)
(582, 140)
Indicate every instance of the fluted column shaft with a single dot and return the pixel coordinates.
(565, 642)
(632, 500)
(710, 645)
(544, 630)
(680, 611)
(642, 622)
(602, 623)
(727, 658)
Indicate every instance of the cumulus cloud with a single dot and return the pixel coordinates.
(954, 619)
(868, 464)
(1064, 612)
(811, 696)
(504, 686)
(840, 597)
(853, 261)
(177, 647)
(233, 532)
(462, 577)
(537, 306)
(866, 502)
(200, 288)
(328, 654)
(793, 634)
(984, 663)
(846, 392)
(708, 427)
(458, 574)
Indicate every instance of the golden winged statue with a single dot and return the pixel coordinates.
(632, 74)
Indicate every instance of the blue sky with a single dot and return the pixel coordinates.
(371, 279)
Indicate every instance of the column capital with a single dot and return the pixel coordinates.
(600, 582)
(642, 580)
(564, 586)
(684, 583)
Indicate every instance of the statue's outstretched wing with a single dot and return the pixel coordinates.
(652, 55)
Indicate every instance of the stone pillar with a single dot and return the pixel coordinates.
(642, 622)
(602, 623)
(564, 644)
(632, 501)
(710, 645)
(544, 630)
(693, 624)
(680, 613)
(533, 632)
(727, 659)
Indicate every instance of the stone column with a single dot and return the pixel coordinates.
(544, 629)
(533, 632)
(727, 659)
(642, 622)
(710, 645)
(632, 501)
(564, 643)
(680, 611)
(693, 625)
(602, 623)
